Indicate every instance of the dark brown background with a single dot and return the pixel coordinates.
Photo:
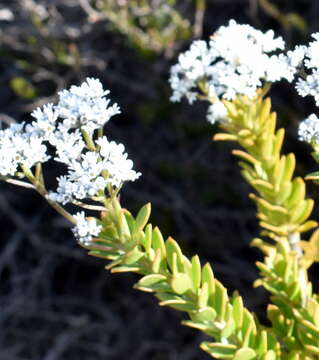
(56, 302)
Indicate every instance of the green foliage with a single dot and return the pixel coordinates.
(154, 26)
(180, 283)
(281, 203)
(283, 212)
(288, 21)
(132, 244)
(23, 88)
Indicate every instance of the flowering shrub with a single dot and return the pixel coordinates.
(233, 74)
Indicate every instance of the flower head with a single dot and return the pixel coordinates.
(237, 61)
(20, 148)
(310, 84)
(309, 130)
(85, 106)
(93, 171)
(67, 127)
(85, 229)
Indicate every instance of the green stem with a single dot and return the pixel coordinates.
(88, 140)
(40, 188)
(17, 182)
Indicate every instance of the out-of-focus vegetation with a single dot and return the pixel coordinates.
(288, 20)
(58, 300)
(155, 25)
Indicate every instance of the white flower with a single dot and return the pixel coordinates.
(193, 65)
(216, 112)
(85, 229)
(309, 129)
(69, 146)
(65, 191)
(312, 53)
(310, 84)
(89, 173)
(45, 123)
(90, 88)
(85, 106)
(119, 167)
(18, 147)
(295, 57)
(83, 180)
(93, 171)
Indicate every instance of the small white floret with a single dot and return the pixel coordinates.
(85, 229)
(309, 129)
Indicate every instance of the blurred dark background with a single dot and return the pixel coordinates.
(56, 302)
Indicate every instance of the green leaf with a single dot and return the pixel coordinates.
(271, 355)
(157, 261)
(248, 329)
(179, 305)
(132, 256)
(310, 328)
(171, 248)
(150, 280)
(262, 343)
(148, 238)
(284, 193)
(168, 296)
(302, 211)
(203, 296)
(196, 272)
(208, 277)
(205, 315)
(130, 220)
(143, 216)
(298, 193)
(122, 269)
(158, 241)
(220, 300)
(174, 301)
(293, 290)
(200, 326)
(228, 329)
(158, 288)
(218, 350)
(123, 227)
(238, 311)
(23, 87)
(289, 169)
(103, 254)
(315, 155)
(297, 21)
(313, 349)
(313, 309)
(180, 283)
(245, 354)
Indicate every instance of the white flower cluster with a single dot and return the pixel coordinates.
(91, 172)
(85, 106)
(236, 61)
(310, 85)
(85, 228)
(18, 147)
(80, 108)
(309, 130)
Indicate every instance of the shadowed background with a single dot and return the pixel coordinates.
(56, 302)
